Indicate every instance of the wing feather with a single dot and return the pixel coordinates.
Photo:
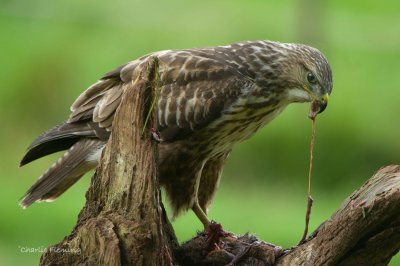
(108, 104)
(195, 90)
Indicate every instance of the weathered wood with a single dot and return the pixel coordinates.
(364, 231)
(123, 221)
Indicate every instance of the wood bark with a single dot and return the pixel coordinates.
(365, 230)
(124, 221)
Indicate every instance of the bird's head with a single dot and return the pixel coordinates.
(309, 75)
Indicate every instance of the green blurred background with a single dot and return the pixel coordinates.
(53, 50)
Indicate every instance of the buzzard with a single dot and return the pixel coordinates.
(209, 99)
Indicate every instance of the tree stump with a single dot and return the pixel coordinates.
(124, 221)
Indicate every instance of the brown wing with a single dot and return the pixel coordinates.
(196, 86)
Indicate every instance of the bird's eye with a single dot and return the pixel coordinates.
(311, 78)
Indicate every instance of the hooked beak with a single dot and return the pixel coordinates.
(318, 106)
(323, 103)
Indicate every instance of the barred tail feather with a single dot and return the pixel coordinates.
(75, 162)
(58, 138)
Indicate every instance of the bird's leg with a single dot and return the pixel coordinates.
(200, 214)
(212, 230)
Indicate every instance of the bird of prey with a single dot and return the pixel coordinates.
(209, 99)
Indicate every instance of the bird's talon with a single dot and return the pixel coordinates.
(214, 234)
